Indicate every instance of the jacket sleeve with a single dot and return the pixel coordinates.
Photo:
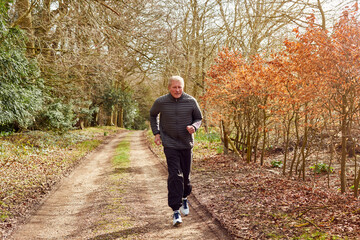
(197, 116)
(154, 120)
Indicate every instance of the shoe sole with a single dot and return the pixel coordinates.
(177, 224)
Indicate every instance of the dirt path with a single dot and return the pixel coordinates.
(74, 209)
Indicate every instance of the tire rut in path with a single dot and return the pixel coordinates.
(68, 212)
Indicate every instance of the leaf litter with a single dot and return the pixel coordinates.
(258, 202)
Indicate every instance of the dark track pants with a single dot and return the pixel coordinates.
(179, 165)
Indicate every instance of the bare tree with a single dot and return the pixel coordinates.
(23, 19)
(87, 48)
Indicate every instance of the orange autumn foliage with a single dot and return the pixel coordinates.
(316, 77)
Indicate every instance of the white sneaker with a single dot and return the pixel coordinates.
(185, 207)
(177, 218)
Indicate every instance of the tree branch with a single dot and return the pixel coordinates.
(107, 6)
(33, 4)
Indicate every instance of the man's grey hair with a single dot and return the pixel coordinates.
(176, 78)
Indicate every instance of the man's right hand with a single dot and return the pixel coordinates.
(157, 139)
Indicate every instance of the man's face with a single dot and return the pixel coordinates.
(176, 89)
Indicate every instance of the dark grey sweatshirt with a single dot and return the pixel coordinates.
(175, 115)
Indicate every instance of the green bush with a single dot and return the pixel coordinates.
(21, 88)
(353, 187)
(322, 168)
(57, 116)
(276, 164)
(210, 136)
(6, 133)
(85, 111)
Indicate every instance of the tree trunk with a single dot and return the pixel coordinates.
(225, 139)
(296, 145)
(248, 142)
(287, 138)
(264, 138)
(255, 145)
(356, 184)
(121, 117)
(41, 31)
(304, 144)
(24, 21)
(115, 121)
(343, 154)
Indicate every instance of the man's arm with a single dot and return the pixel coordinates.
(154, 121)
(197, 117)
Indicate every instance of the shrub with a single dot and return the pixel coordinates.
(21, 88)
(276, 164)
(57, 116)
(210, 136)
(322, 168)
(353, 187)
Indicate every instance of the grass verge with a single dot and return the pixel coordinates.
(116, 221)
(32, 162)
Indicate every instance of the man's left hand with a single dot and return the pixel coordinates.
(190, 129)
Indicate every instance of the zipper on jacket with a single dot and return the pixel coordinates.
(176, 115)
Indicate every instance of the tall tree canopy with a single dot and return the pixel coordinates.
(88, 52)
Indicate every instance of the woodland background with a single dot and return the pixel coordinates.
(272, 76)
(262, 83)
(92, 62)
